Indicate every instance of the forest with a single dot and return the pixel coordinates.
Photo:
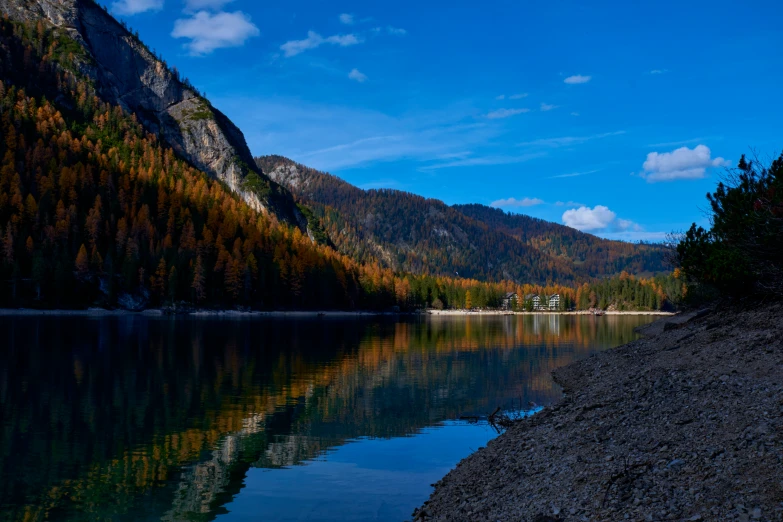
(407, 232)
(591, 255)
(96, 211)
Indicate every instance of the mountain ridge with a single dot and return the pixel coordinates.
(96, 210)
(408, 232)
(125, 72)
(151, 224)
(563, 241)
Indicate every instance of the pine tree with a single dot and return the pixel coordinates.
(160, 279)
(96, 260)
(173, 284)
(8, 246)
(199, 290)
(82, 264)
(233, 278)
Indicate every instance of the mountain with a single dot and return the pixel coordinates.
(120, 186)
(410, 233)
(407, 232)
(589, 254)
(98, 210)
(126, 73)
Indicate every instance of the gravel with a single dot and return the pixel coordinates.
(684, 424)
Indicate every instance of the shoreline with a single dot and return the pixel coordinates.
(301, 314)
(157, 312)
(547, 312)
(683, 424)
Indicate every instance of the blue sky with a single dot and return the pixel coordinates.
(614, 117)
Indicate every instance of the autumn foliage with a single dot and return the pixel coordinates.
(404, 231)
(94, 210)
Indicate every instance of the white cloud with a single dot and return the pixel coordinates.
(548, 107)
(574, 174)
(481, 161)
(566, 141)
(568, 204)
(343, 40)
(198, 5)
(355, 74)
(397, 31)
(518, 96)
(584, 218)
(597, 218)
(659, 71)
(505, 113)
(679, 142)
(682, 163)
(576, 79)
(316, 134)
(208, 32)
(513, 202)
(132, 7)
(454, 155)
(314, 40)
(346, 18)
(574, 114)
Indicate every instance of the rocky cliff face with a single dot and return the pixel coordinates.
(288, 175)
(126, 73)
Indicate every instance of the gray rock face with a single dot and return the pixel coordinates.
(288, 175)
(61, 13)
(128, 74)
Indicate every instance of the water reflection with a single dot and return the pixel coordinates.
(152, 418)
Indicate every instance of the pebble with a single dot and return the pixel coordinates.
(676, 464)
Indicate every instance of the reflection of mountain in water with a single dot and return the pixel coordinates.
(144, 418)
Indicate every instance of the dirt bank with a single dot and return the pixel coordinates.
(685, 424)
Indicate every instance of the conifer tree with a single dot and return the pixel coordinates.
(172, 283)
(82, 264)
(199, 291)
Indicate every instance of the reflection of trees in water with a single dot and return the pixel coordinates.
(98, 412)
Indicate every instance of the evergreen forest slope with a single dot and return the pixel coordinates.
(102, 203)
(407, 232)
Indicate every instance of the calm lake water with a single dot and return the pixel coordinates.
(139, 418)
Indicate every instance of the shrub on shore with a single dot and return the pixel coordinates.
(742, 252)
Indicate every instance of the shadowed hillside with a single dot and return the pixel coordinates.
(408, 232)
(590, 255)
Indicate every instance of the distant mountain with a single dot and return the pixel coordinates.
(407, 232)
(589, 254)
(126, 73)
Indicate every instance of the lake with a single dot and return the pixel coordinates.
(218, 418)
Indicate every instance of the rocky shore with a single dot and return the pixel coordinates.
(683, 424)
